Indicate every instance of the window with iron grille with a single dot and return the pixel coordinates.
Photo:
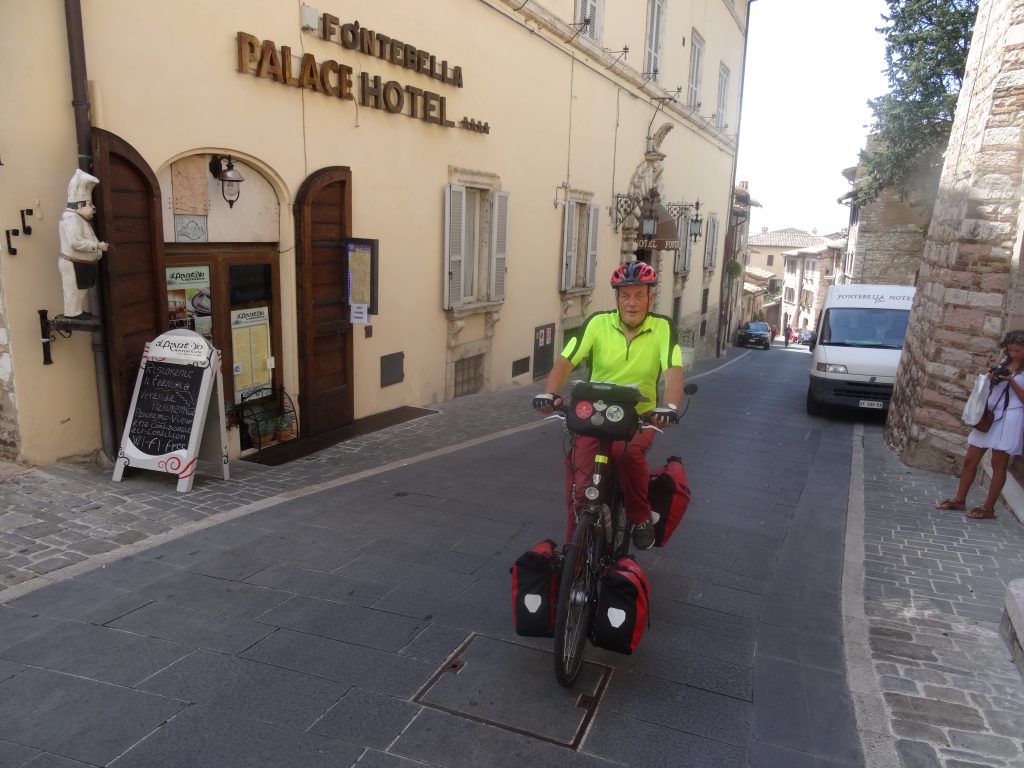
(469, 375)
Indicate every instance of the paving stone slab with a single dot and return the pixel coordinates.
(205, 593)
(214, 739)
(356, 665)
(340, 621)
(98, 653)
(17, 625)
(81, 719)
(193, 628)
(624, 740)
(326, 586)
(367, 718)
(247, 688)
(15, 755)
(72, 599)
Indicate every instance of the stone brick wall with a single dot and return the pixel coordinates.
(890, 242)
(969, 279)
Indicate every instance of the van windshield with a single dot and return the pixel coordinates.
(864, 327)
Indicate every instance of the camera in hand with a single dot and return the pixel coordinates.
(1000, 372)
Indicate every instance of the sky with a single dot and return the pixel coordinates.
(811, 67)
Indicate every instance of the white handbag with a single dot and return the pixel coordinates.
(975, 405)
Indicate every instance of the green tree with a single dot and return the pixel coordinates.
(925, 53)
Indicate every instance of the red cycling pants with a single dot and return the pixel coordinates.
(631, 461)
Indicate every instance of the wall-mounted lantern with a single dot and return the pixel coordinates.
(222, 167)
(646, 206)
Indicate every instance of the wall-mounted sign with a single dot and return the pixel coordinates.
(189, 301)
(262, 58)
(250, 350)
(170, 424)
(362, 256)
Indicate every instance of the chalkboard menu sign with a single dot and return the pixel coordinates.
(166, 407)
(170, 424)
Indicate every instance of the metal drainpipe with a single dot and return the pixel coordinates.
(83, 134)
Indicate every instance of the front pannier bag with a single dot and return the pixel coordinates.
(535, 590)
(669, 496)
(621, 607)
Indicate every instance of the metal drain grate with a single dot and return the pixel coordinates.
(513, 687)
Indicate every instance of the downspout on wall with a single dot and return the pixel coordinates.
(83, 135)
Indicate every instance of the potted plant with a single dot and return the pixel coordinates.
(285, 428)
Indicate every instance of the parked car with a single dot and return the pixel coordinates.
(754, 334)
(804, 336)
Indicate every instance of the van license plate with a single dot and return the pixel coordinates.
(872, 404)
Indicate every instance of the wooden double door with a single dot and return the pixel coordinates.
(129, 217)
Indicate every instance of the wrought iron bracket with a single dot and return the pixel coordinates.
(64, 326)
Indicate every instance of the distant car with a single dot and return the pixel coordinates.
(804, 336)
(754, 334)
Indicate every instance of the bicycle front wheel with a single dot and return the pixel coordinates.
(577, 597)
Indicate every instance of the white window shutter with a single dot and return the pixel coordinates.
(593, 224)
(569, 246)
(709, 243)
(655, 23)
(499, 244)
(454, 243)
(681, 227)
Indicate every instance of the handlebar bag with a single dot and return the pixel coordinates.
(535, 590)
(599, 418)
(669, 496)
(622, 600)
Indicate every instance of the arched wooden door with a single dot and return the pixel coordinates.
(128, 217)
(323, 218)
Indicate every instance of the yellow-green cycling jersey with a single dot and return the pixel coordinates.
(639, 361)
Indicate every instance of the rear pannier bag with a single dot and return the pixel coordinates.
(669, 496)
(535, 590)
(621, 616)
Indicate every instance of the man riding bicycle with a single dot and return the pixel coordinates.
(626, 345)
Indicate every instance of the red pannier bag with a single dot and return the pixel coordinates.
(669, 496)
(622, 599)
(535, 590)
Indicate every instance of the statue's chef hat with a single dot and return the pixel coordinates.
(80, 187)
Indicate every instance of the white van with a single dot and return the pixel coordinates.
(857, 346)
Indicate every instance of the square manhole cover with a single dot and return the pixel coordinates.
(513, 687)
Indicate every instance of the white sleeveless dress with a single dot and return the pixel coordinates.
(1007, 432)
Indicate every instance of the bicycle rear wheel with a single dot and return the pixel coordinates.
(577, 596)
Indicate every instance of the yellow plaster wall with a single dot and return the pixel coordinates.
(164, 78)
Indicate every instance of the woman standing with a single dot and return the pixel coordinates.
(1006, 435)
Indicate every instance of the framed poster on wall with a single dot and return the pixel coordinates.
(362, 255)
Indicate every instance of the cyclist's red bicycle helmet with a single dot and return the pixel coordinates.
(634, 273)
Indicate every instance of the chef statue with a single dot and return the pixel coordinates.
(80, 251)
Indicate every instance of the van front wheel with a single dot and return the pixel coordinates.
(814, 405)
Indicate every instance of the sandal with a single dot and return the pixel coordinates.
(981, 513)
(953, 504)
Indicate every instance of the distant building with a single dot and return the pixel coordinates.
(768, 251)
(886, 238)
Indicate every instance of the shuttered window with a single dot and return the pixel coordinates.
(475, 256)
(696, 69)
(590, 11)
(580, 229)
(685, 248)
(711, 243)
(655, 33)
(722, 110)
